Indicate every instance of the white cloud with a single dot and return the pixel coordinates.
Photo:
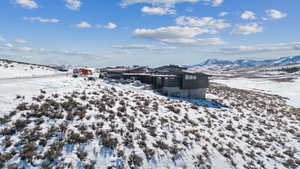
(277, 47)
(223, 14)
(196, 42)
(20, 41)
(248, 15)
(73, 4)
(24, 49)
(202, 22)
(143, 47)
(109, 25)
(83, 25)
(121, 52)
(170, 3)
(171, 32)
(189, 9)
(27, 3)
(39, 19)
(2, 39)
(64, 52)
(44, 51)
(275, 14)
(179, 35)
(156, 2)
(9, 45)
(247, 29)
(216, 3)
(158, 11)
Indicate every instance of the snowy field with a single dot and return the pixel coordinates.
(11, 88)
(290, 90)
(13, 70)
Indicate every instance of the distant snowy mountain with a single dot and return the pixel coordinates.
(250, 63)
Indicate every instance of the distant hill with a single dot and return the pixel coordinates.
(15, 69)
(250, 63)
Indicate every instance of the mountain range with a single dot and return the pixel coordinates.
(251, 63)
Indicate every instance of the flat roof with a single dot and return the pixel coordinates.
(148, 74)
(163, 75)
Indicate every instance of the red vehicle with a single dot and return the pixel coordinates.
(83, 72)
(86, 72)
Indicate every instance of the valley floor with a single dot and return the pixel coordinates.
(285, 87)
(64, 122)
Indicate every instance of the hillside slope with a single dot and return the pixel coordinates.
(9, 69)
(101, 125)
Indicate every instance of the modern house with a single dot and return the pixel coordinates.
(170, 80)
(119, 71)
(176, 81)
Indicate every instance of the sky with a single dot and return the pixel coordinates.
(102, 33)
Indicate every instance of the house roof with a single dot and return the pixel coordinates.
(148, 74)
(195, 73)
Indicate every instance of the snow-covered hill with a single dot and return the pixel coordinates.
(95, 124)
(13, 69)
(250, 63)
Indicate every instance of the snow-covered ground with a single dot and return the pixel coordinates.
(290, 90)
(13, 70)
(11, 88)
(235, 72)
(64, 122)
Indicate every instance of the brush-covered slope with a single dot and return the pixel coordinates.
(107, 126)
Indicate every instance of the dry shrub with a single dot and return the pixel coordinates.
(160, 144)
(7, 131)
(149, 153)
(81, 154)
(109, 142)
(76, 138)
(28, 152)
(20, 124)
(172, 108)
(54, 151)
(4, 157)
(134, 160)
(290, 163)
(22, 106)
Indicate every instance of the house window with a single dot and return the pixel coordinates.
(190, 77)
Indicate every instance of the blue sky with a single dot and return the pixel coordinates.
(147, 32)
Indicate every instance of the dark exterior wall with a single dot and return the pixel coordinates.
(171, 82)
(114, 75)
(174, 79)
(142, 78)
(160, 82)
(157, 82)
(200, 82)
